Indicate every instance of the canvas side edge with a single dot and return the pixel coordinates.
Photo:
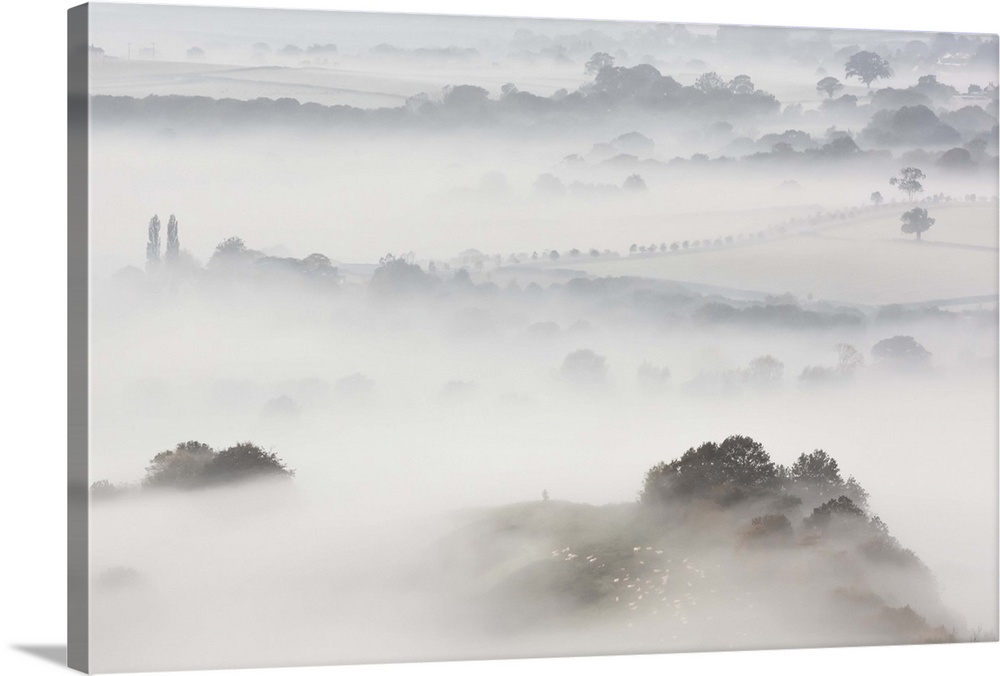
(78, 125)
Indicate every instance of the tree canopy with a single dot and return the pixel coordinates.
(916, 221)
(829, 85)
(242, 462)
(726, 473)
(739, 469)
(396, 276)
(867, 67)
(900, 351)
(192, 464)
(597, 62)
(908, 181)
(153, 241)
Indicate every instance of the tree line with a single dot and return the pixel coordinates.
(195, 465)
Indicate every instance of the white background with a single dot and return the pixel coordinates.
(33, 329)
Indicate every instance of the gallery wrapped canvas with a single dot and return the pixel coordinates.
(408, 337)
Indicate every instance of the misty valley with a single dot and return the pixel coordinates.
(504, 338)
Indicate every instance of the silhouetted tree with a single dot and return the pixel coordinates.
(153, 242)
(900, 351)
(937, 91)
(764, 370)
(736, 469)
(173, 241)
(193, 464)
(916, 221)
(909, 181)
(710, 82)
(956, 158)
(830, 85)
(397, 276)
(741, 84)
(840, 509)
(877, 198)
(816, 473)
(179, 468)
(242, 462)
(597, 62)
(849, 359)
(867, 67)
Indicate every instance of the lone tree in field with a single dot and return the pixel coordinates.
(173, 241)
(877, 198)
(909, 181)
(153, 241)
(901, 352)
(867, 67)
(916, 221)
(830, 85)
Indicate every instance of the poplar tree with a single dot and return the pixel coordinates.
(173, 241)
(153, 242)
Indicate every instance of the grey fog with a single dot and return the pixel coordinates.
(425, 338)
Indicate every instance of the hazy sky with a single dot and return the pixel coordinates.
(175, 28)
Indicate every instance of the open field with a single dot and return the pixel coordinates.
(367, 83)
(861, 263)
(970, 225)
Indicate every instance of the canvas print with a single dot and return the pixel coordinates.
(411, 337)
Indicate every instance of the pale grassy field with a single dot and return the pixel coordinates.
(975, 225)
(845, 264)
(366, 83)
